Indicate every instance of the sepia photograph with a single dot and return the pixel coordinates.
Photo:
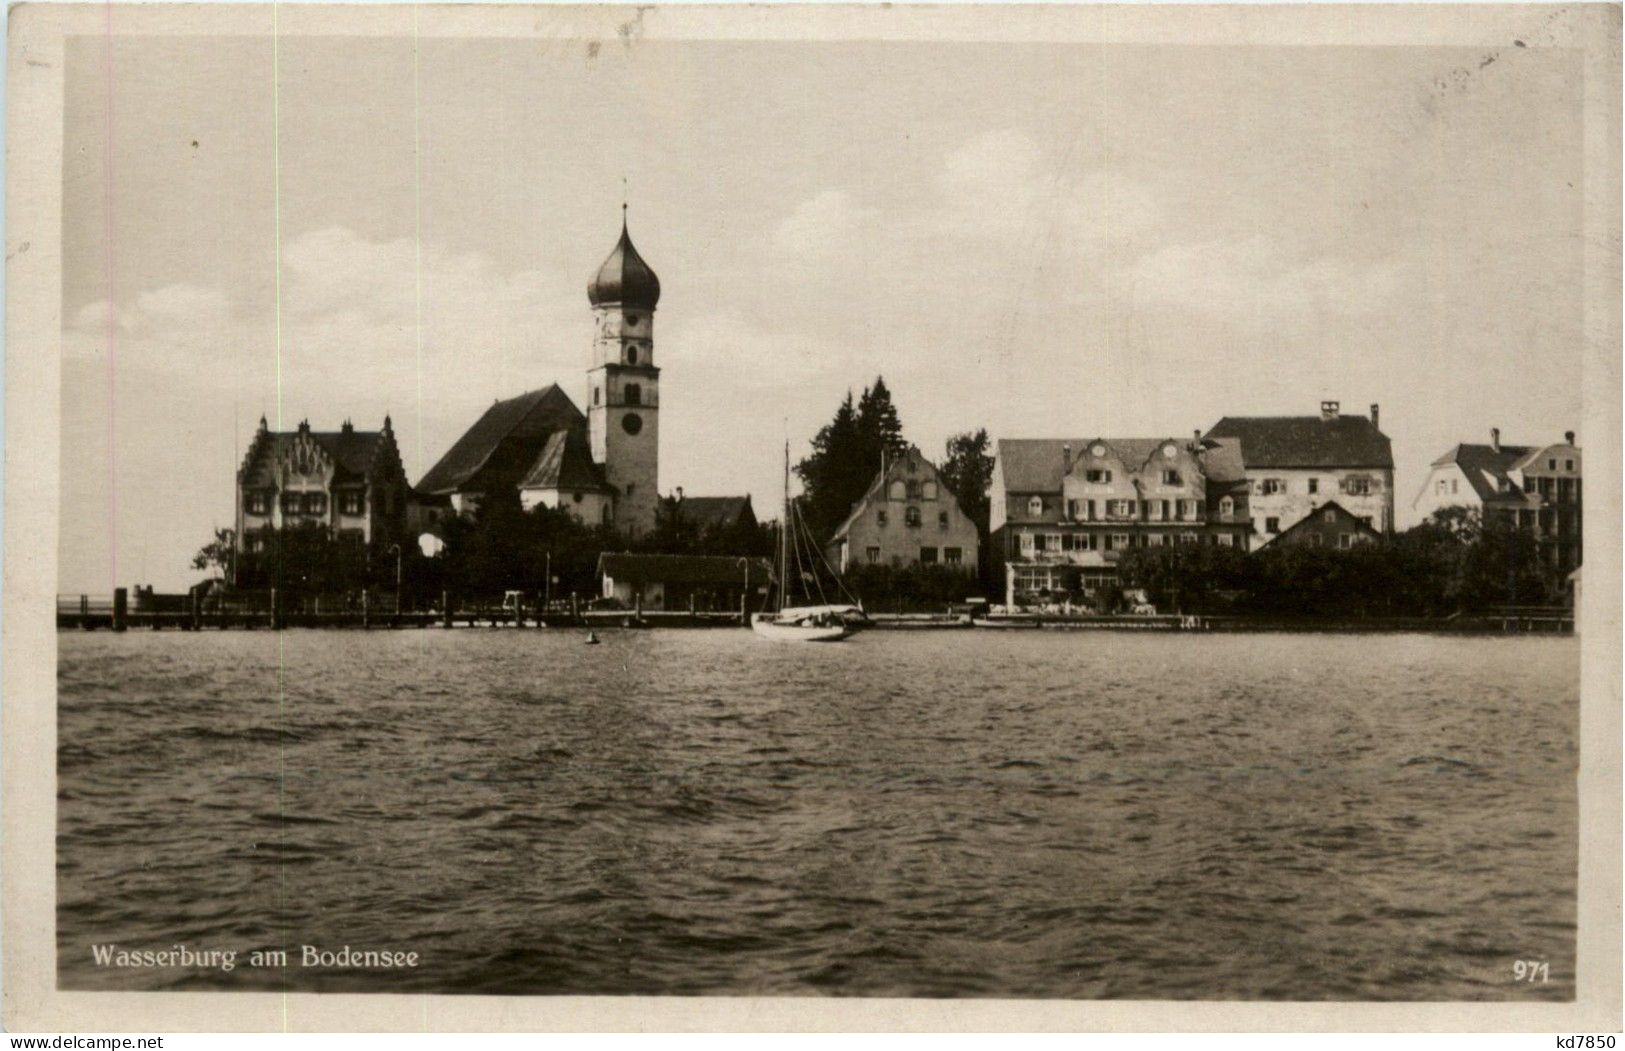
(1056, 505)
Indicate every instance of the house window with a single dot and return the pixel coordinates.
(1551, 465)
(1035, 506)
(1367, 520)
(1097, 477)
(1316, 540)
(253, 542)
(913, 489)
(291, 502)
(1272, 525)
(634, 394)
(315, 503)
(1345, 540)
(930, 490)
(873, 554)
(1119, 541)
(1314, 485)
(953, 556)
(880, 517)
(258, 503)
(1329, 516)
(912, 516)
(1568, 465)
(351, 502)
(928, 556)
(1027, 544)
(1226, 540)
(1072, 509)
(1040, 542)
(898, 490)
(1357, 486)
(1227, 506)
(942, 519)
(1170, 478)
(1270, 486)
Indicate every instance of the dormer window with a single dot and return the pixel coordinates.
(351, 502)
(1098, 477)
(912, 516)
(1035, 506)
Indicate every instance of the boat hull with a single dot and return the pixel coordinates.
(780, 631)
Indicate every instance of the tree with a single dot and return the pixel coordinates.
(219, 554)
(847, 454)
(967, 471)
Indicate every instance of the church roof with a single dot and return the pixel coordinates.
(565, 462)
(508, 437)
(624, 278)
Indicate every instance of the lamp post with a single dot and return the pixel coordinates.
(397, 549)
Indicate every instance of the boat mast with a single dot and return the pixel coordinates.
(784, 535)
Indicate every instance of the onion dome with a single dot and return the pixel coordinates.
(624, 279)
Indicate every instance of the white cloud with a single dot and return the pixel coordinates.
(823, 224)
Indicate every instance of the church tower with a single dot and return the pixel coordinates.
(623, 399)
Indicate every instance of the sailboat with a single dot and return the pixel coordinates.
(821, 622)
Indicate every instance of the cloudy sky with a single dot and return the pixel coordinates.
(1038, 239)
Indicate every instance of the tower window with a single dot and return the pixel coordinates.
(634, 394)
(631, 355)
(632, 320)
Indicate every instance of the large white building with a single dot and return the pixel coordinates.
(1532, 488)
(1293, 465)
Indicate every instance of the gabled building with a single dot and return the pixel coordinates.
(1292, 465)
(906, 517)
(1532, 488)
(1064, 511)
(348, 481)
(603, 467)
(716, 512)
(1330, 526)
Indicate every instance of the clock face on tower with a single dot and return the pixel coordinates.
(632, 423)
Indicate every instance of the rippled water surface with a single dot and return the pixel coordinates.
(927, 814)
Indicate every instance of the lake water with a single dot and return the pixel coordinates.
(903, 814)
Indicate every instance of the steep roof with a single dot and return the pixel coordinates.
(1485, 468)
(1307, 441)
(1313, 522)
(565, 462)
(715, 510)
(1037, 465)
(520, 422)
(1221, 460)
(900, 465)
(354, 453)
(685, 569)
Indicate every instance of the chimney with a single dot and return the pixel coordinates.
(679, 494)
(1328, 410)
(1495, 439)
(1066, 458)
(1568, 437)
(1374, 421)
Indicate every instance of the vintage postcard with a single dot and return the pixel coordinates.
(812, 517)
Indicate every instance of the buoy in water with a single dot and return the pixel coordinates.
(592, 639)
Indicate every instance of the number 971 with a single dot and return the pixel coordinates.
(1531, 971)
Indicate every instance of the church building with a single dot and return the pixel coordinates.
(603, 467)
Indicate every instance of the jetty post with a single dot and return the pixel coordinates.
(121, 608)
(366, 608)
(273, 616)
(445, 608)
(84, 612)
(194, 610)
